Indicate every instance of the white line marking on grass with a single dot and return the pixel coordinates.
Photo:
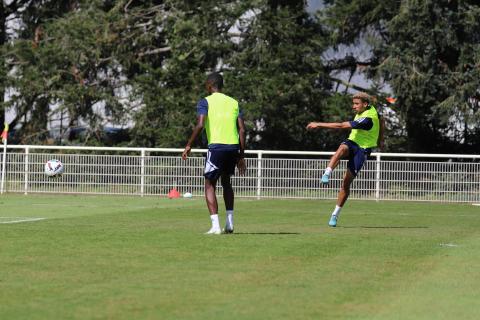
(49, 204)
(19, 219)
(71, 205)
(431, 215)
(448, 245)
(475, 204)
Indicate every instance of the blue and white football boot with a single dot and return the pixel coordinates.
(333, 221)
(326, 178)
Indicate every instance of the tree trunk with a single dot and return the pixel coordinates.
(421, 136)
(3, 38)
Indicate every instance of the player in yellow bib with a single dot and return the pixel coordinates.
(366, 133)
(222, 119)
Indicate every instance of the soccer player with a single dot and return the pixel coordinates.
(223, 122)
(366, 133)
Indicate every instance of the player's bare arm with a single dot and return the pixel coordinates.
(196, 131)
(329, 125)
(241, 165)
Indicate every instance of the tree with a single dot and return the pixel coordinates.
(428, 53)
(269, 52)
(25, 29)
(63, 65)
(433, 65)
(278, 75)
(143, 59)
(170, 82)
(8, 11)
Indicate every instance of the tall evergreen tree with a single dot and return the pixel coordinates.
(61, 66)
(428, 52)
(278, 75)
(194, 40)
(9, 10)
(27, 95)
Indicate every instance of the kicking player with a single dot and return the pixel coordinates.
(367, 133)
(223, 122)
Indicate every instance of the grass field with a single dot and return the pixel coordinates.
(147, 258)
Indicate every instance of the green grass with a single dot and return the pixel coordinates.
(147, 258)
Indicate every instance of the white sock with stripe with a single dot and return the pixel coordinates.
(336, 212)
(229, 222)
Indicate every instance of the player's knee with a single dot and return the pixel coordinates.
(343, 150)
(209, 184)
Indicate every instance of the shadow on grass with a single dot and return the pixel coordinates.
(373, 227)
(268, 233)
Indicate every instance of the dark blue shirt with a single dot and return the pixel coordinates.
(362, 123)
(202, 108)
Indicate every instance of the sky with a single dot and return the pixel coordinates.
(313, 5)
(361, 51)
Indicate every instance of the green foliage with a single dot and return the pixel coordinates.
(279, 77)
(68, 64)
(428, 52)
(147, 61)
(431, 66)
(169, 89)
(144, 63)
(271, 65)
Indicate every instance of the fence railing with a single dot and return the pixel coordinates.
(270, 174)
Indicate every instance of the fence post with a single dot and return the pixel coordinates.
(4, 167)
(142, 173)
(27, 152)
(377, 179)
(259, 174)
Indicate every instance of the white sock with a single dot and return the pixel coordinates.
(336, 212)
(215, 223)
(328, 170)
(229, 222)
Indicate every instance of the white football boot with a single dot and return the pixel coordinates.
(214, 230)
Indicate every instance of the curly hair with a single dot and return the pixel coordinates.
(362, 96)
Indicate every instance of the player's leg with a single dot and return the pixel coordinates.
(228, 196)
(210, 196)
(211, 176)
(212, 205)
(345, 189)
(342, 197)
(356, 159)
(229, 199)
(229, 164)
(342, 152)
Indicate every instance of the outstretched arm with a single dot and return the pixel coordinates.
(329, 125)
(242, 167)
(198, 128)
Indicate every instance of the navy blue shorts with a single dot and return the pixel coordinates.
(218, 162)
(356, 156)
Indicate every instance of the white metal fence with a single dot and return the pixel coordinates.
(270, 174)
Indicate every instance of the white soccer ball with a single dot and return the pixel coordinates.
(54, 168)
(187, 195)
